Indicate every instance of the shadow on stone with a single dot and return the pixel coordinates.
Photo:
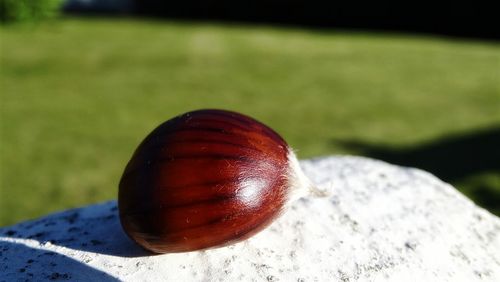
(22, 263)
(452, 158)
(93, 228)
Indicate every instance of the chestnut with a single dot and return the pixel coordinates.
(206, 179)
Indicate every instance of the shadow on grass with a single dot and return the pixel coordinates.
(439, 19)
(487, 197)
(453, 159)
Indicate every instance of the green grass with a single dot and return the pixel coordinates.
(78, 96)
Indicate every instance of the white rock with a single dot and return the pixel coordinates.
(381, 223)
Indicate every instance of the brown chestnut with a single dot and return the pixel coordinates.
(206, 179)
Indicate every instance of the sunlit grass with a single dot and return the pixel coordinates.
(78, 96)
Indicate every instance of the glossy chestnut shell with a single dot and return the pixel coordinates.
(204, 179)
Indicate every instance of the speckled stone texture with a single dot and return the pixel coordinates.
(381, 223)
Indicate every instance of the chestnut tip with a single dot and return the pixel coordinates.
(300, 184)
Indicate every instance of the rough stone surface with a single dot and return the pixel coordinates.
(381, 223)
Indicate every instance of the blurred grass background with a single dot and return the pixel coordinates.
(77, 96)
